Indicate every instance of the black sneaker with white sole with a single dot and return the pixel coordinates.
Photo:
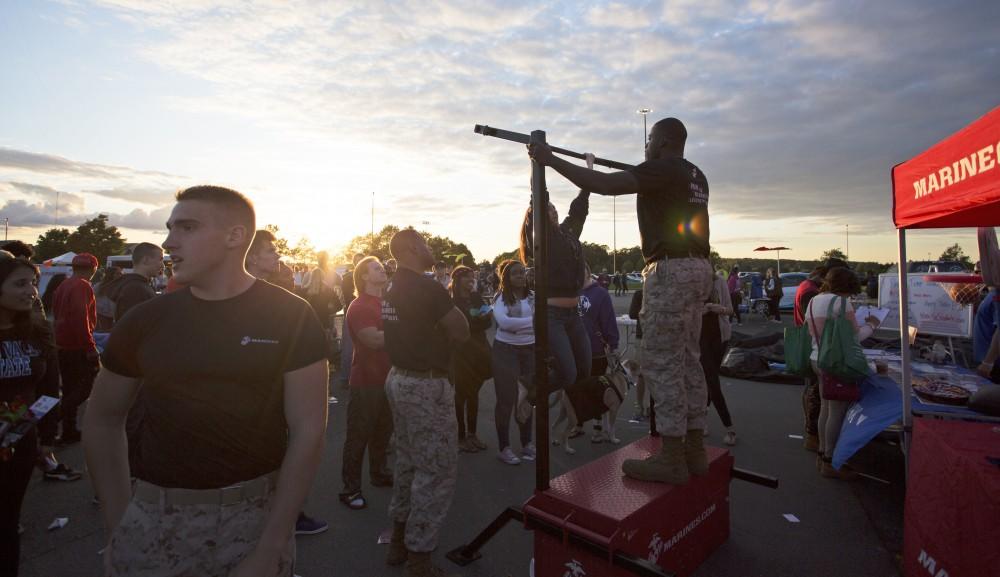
(62, 473)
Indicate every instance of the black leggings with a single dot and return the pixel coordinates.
(14, 477)
(467, 405)
(712, 351)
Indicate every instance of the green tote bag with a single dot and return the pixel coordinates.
(839, 351)
(798, 347)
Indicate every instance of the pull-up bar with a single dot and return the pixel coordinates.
(526, 139)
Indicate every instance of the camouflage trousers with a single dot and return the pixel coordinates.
(423, 417)
(161, 540)
(673, 295)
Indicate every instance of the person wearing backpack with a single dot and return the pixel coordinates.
(838, 286)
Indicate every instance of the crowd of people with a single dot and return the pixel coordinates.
(216, 391)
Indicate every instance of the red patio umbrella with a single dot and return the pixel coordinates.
(777, 248)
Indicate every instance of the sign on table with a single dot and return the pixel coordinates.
(932, 311)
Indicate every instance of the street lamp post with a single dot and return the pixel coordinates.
(6, 223)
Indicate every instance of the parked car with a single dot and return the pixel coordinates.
(932, 266)
(790, 282)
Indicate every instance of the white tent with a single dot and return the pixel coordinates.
(61, 260)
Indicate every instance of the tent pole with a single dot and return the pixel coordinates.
(540, 223)
(904, 342)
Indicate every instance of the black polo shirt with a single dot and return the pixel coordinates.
(413, 305)
(672, 207)
(213, 381)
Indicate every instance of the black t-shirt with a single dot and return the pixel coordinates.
(411, 309)
(673, 209)
(213, 381)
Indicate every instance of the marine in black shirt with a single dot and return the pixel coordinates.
(234, 380)
(674, 226)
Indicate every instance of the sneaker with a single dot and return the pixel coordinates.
(306, 525)
(729, 438)
(638, 416)
(811, 443)
(528, 453)
(479, 443)
(575, 432)
(467, 446)
(508, 456)
(62, 473)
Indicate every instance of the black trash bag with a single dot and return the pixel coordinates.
(740, 363)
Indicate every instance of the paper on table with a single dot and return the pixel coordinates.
(862, 313)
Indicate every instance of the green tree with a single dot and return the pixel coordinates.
(443, 248)
(833, 253)
(954, 252)
(51, 244)
(509, 255)
(97, 237)
(302, 252)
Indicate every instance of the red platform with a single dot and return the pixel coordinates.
(676, 528)
(951, 523)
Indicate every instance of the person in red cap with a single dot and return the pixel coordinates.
(75, 313)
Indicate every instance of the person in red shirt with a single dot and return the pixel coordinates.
(369, 421)
(75, 313)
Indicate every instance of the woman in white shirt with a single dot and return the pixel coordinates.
(513, 356)
(840, 283)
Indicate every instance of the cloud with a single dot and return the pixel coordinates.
(795, 109)
(49, 207)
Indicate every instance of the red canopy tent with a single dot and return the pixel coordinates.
(950, 513)
(955, 183)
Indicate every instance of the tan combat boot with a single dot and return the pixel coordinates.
(419, 565)
(397, 548)
(694, 452)
(668, 466)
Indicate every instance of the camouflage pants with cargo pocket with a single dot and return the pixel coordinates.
(673, 295)
(159, 540)
(423, 416)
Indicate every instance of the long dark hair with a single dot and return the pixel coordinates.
(506, 290)
(27, 324)
(841, 281)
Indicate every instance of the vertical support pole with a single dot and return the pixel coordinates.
(904, 342)
(540, 223)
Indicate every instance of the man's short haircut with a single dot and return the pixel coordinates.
(234, 205)
(19, 249)
(259, 238)
(672, 129)
(440, 264)
(401, 241)
(361, 271)
(145, 250)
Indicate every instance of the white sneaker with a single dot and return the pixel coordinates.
(508, 456)
(528, 453)
(729, 438)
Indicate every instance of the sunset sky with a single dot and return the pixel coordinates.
(796, 111)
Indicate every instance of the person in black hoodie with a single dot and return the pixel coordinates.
(471, 361)
(31, 370)
(136, 287)
(569, 344)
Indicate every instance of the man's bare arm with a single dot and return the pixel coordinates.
(306, 412)
(604, 183)
(455, 326)
(104, 442)
(372, 338)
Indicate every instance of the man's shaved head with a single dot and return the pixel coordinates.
(232, 207)
(410, 250)
(666, 139)
(672, 129)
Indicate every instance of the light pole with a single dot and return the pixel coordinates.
(847, 231)
(372, 249)
(6, 223)
(614, 235)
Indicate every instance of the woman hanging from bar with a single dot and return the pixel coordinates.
(569, 344)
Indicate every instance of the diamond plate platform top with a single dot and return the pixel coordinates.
(601, 488)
